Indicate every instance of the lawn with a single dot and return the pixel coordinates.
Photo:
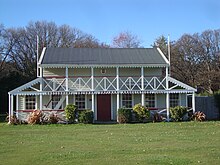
(151, 143)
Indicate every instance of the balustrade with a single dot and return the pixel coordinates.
(104, 83)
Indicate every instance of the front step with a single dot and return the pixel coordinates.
(105, 122)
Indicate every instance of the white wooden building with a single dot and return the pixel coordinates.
(100, 79)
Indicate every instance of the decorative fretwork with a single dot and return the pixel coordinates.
(103, 84)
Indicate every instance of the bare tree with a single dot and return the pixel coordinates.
(195, 59)
(126, 40)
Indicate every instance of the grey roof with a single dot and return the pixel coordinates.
(102, 56)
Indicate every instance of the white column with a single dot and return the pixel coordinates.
(17, 106)
(41, 89)
(167, 83)
(12, 105)
(9, 108)
(93, 96)
(92, 78)
(67, 78)
(117, 80)
(93, 103)
(142, 86)
(168, 106)
(41, 102)
(67, 99)
(167, 96)
(118, 101)
(41, 71)
(67, 86)
(118, 95)
(16, 102)
(11, 102)
(193, 102)
(142, 99)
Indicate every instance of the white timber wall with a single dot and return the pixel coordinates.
(53, 72)
(21, 102)
(127, 72)
(114, 106)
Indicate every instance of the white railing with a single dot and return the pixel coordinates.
(105, 84)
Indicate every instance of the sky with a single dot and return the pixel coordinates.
(104, 19)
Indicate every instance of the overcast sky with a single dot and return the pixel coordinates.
(104, 19)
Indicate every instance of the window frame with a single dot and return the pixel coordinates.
(174, 99)
(81, 101)
(31, 102)
(150, 100)
(55, 102)
(127, 100)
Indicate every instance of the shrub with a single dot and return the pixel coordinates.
(157, 117)
(142, 112)
(124, 115)
(13, 120)
(53, 118)
(35, 117)
(70, 111)
(177, 113)
(198, 116)
(85, 116)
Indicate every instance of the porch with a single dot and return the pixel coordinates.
(105, 105)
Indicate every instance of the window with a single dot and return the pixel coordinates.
(30, 102)
(150, 100)
(127, 100)
(55, 100)
(80, 101)
(174, 99)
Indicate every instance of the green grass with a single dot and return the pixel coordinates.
(151, 143)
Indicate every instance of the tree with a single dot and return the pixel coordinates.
(126, 40)
(195, 59)
(161, 42)
(18, 49)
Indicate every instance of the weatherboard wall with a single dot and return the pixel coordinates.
(78, 72)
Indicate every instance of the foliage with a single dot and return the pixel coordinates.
(195, 59)
(131, 143)
(13, 120)
(124, 115)
(35, 117)
(142, 112)
(70, 111)
(177, 113)
(126, 40)
(157, 117)
(85, 116)
(18, 50)
(53, 118)
(198, 116)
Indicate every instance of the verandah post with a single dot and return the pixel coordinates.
(142, 86)
(118, 96)
(41, 89)
(67, 85)
(93, 96)
(193, 102)
(9, 108)
(167, 96)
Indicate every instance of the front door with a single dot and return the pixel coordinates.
(103, 107)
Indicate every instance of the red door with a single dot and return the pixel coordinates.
(103, 107)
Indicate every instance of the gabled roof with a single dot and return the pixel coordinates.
(103, 56)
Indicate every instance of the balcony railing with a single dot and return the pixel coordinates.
(104, 83)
